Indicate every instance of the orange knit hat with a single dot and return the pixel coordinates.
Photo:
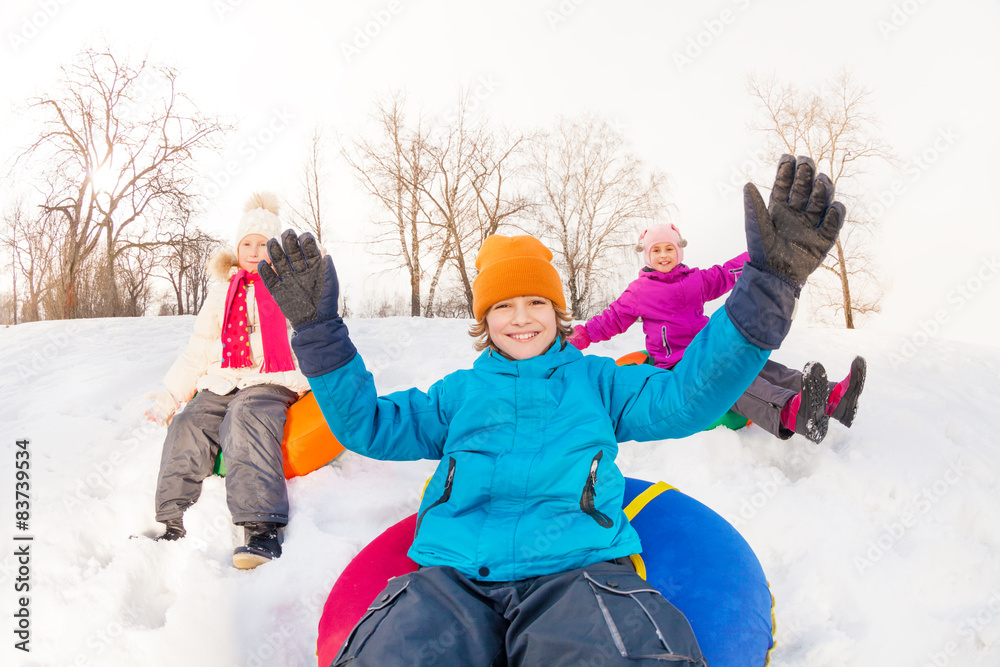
(512, 266)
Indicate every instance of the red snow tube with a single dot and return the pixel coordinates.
(363, 578)
(693, 556)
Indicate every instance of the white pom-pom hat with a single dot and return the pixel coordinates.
(260, 217)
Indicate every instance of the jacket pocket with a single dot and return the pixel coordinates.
(445, 496)
(642, 623)
(590, 492)
(372, 619)
(666, 345)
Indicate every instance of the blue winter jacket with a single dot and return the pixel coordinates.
(527, 483)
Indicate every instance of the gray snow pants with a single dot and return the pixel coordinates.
(770, 391)
(602, 614)
(248, 425)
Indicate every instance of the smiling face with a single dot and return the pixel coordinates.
(522, 327)
(253, 248)
(663, 257)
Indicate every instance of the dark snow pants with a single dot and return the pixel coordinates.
(248, 425)
(770, 391)
(603, 614)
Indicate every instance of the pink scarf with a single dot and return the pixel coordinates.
(273, 328)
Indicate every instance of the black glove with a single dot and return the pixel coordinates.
(786, 241)
(303, 283)
(792, 235)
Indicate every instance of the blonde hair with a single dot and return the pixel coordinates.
(481, 333)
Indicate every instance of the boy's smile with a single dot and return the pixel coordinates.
(522, 327)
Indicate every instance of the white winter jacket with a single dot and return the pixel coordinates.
(200, 365)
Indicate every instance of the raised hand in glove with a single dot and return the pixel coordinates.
(304, 285)
(303, 282)
(787, 240)
(792, 234)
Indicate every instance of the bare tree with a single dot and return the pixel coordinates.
(31, 238)
(184, 265)
(450, 201)
(133, 270)
(8, 308)
(377, 304)
(119, 141)
(394, 168)
(444, 252)
(444, 192)
(469, 197)
(835, 127)
(595, 196)
(309, 212)
(451, 305)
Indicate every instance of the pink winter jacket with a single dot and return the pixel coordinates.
(671, 305)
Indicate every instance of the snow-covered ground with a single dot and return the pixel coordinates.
(882, 545)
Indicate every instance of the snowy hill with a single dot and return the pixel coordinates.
(882, 545)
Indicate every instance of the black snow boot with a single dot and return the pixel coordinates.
(175, 530)
(261, 545)
(811, 419)
(849, 390)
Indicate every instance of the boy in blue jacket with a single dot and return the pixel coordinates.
(520, 535)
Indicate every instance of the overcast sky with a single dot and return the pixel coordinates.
(669, 75)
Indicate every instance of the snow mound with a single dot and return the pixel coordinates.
(882, 544)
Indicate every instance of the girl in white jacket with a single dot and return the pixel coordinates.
(240, 363)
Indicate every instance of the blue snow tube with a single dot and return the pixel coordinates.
(705, 568)
(693, 556)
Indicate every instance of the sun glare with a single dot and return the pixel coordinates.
(103, 179)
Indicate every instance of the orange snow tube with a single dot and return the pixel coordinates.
(308, 443)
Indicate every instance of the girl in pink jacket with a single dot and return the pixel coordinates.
(670, 298)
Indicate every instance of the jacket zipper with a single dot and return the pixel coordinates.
(666, 345)
(444, 496)
(589, 493)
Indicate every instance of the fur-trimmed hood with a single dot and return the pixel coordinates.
(223, 264)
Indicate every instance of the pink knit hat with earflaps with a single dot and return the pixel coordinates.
(661, 234)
